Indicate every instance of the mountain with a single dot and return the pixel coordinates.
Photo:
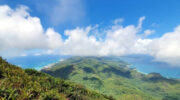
(111, 77)
(29, 84)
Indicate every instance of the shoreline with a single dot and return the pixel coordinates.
(49, 66)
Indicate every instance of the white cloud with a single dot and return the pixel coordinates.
(118, 20)
(148, 32)
(80, 43)
(140, 22)
(167, 47)
(121, 40)
(54, 39)
(20, 32)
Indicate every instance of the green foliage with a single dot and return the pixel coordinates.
(29, 84)
(34, 72)
(115, 78)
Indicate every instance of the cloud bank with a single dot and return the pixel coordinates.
(21, 32)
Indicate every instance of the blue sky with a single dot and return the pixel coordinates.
(161, 15)
(91, 28)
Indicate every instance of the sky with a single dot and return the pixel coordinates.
(91, 28)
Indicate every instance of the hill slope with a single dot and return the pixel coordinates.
(18, 84)
(116, 78)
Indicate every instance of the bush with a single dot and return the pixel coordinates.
(29, 84)
(1, 74)
(34, 72)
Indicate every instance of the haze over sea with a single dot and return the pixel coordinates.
(148, 64)
(142, 63)
(34, 62)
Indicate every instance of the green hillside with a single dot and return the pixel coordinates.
(29, 84)
(115, 78)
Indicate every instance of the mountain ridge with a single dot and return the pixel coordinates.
(102, 74)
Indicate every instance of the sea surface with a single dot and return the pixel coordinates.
(35, 62)
(142, 63)
(147, 64)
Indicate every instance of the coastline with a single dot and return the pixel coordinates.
(49, 66)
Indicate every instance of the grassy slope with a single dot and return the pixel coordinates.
(116, 79)
(18, 84)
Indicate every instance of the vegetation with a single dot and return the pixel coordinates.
(115, 78)
(29, 84)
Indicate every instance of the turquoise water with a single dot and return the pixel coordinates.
(35, 62)
(147, 64)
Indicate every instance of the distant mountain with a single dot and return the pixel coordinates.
(29, 84)
(116, 78)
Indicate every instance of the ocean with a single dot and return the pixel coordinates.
(35, 62)
(142, 63)
(147, 64)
